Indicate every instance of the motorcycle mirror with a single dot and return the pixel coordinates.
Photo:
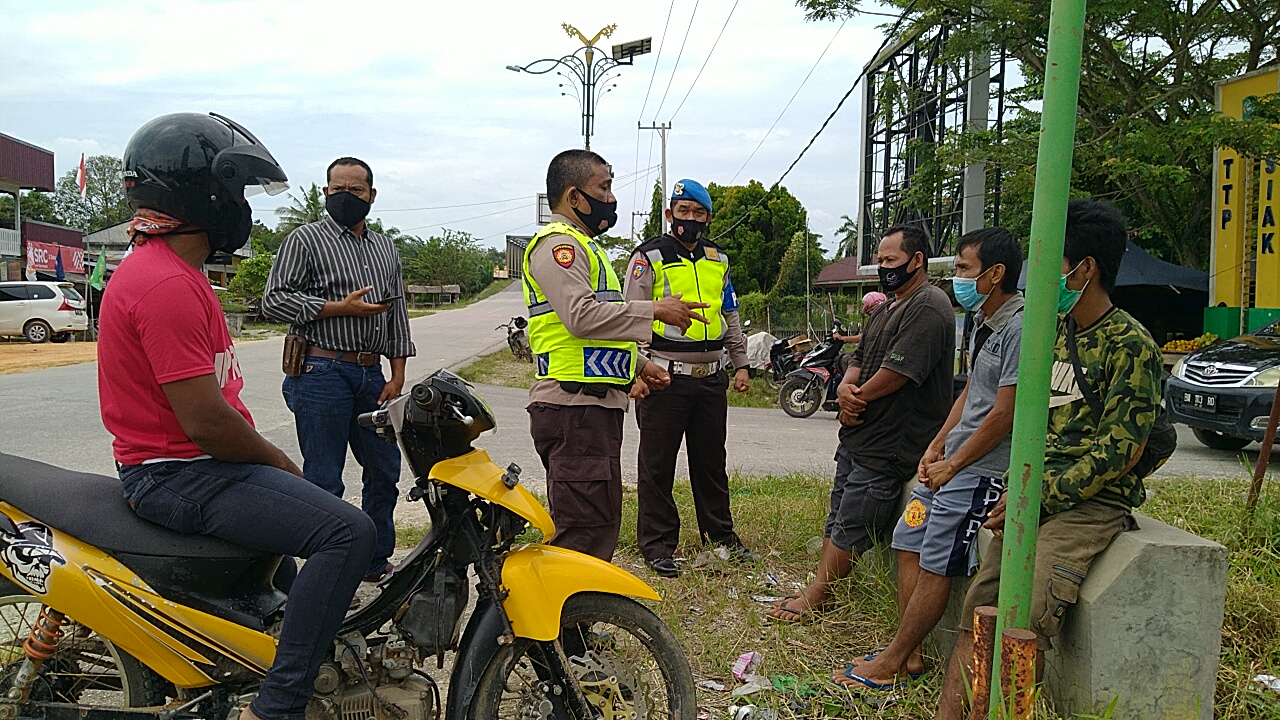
(521, 322)
(746, 324)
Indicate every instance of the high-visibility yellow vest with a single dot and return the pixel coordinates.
(558, 354)
(701, 279)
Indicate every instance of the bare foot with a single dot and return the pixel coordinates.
(913, 666)
(793, 608)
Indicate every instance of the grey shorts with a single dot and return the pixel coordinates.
(941, 527)
(863, 506)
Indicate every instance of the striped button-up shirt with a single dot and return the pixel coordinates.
(324, 261)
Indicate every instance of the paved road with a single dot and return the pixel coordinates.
(52, 415)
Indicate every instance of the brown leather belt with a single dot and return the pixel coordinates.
(358, 358)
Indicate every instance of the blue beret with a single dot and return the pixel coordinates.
(691, 190)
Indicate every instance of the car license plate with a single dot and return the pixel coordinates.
(1201, 401)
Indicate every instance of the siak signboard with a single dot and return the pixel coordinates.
(44, 257)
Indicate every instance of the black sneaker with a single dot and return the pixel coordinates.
(739, 553)
(664, 566)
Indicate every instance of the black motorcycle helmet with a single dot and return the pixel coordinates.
(198, 168)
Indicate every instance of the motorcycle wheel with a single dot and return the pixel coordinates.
(799, 397)
(86, 669)
(771, 380)
(627, 661)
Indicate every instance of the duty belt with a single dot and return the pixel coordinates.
(695, 370)
(598, 390)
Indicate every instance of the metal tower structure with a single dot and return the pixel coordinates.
(916, 97)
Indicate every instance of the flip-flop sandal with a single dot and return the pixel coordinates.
(782, 605)
(869, 684)
(872, 656)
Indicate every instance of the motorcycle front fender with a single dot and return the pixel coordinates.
(808, 374)
(540, 578)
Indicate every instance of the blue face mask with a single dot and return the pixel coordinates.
(966, 291)
(1067, 298)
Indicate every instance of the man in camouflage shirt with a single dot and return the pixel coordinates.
(1089, 491)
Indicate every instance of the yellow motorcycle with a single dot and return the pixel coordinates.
(105, 616)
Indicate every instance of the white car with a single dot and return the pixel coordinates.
(41, 311)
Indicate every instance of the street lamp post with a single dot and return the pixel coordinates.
(586, 73)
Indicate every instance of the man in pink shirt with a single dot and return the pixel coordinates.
(169, 385)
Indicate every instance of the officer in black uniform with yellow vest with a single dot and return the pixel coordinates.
(694, 408)
(583, 335)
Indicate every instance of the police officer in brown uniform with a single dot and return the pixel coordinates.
(583, 335)
(694, 408)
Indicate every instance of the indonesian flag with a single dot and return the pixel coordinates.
(82, 177)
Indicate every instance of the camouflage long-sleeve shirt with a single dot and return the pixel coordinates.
(1086, 459)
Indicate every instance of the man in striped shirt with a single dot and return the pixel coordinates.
(340, 286)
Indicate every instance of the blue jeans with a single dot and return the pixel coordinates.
(325, 401)
(268, 509)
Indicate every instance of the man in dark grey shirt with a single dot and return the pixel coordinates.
(340, 286)
(894, 397)
(961, 471)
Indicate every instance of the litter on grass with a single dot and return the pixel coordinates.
(711, 685)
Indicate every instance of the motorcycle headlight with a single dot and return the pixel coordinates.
(1267, 378)
(1178, 366)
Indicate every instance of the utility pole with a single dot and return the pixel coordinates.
(662, 130)
(634, 215)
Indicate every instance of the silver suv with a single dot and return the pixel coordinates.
(41, 311)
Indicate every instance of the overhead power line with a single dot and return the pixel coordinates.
(888, 36)
(658, 58)
(453, 207)
(477, 217)
(679, 55)
(788, 105)
(704, 64)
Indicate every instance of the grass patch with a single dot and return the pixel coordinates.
(712, 612)
(503, 368)
(1214, 509)
(499, 368)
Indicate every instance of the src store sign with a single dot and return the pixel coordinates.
(44, 257)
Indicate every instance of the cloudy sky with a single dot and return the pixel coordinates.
(420, 91)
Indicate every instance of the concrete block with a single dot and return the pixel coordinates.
(1147, 628)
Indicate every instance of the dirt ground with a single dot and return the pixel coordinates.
(18, 357)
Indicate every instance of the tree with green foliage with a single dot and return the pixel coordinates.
(755, 230)
(795, 275)
(653, 224)
(104, 203)
(251, 277)
(263, 239)
(299, 212)
(1146, 125)
(847, 238)
(453, 258)
(36, 205)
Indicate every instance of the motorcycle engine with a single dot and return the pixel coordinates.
(413, 698)
(383, 686)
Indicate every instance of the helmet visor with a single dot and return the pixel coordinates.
(254, 164)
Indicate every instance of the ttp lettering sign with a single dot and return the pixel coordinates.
(44, 257)
(1244, 260)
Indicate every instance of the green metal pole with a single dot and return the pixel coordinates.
(1031, 411)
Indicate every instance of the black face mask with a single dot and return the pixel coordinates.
(346, 209)
(602, 216)
(688, 231)
(893, 278)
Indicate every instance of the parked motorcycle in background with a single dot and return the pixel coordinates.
(784, 356)
(813, 384)
(517, 338)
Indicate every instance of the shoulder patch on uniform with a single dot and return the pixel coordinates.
(564, 255)
(711, 253)
(638, 268)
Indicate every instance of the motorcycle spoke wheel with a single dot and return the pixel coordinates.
(628, 664)
(86, 669)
